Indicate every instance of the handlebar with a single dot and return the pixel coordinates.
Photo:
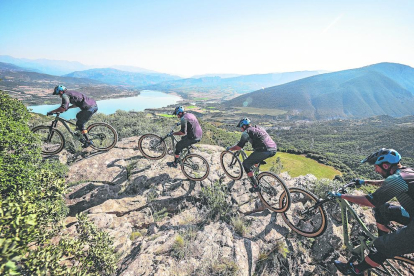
(343, 190)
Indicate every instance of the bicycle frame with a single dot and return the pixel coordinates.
(364, 244)
(64, 122)
(244, 156)
(174, 142)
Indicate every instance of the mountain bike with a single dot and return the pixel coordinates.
(154, 147)
(271, 185)
(308, 218)
(103, 136)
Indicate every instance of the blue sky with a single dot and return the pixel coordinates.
(197, 37)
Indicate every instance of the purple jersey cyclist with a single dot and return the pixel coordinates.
(87, 105)
(190, 127)
(263, 146)
(398, 183)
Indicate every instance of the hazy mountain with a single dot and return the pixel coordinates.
(379, 89)
(134, 69)
(11, 67)
(47, 66)
(118, 77)
(223, 76)
(238, 85)
(36, 88)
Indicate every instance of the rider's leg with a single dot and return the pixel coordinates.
(182, 144)
(83, 117)
(386, 213)
(255, 158)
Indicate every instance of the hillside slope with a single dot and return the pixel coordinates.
(164, 224)
(381, 89)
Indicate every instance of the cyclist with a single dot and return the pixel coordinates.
(263, 145)
(87, 105)
(190, 127)
(399, 183)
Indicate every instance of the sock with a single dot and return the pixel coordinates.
(254, 181)
(176, 158)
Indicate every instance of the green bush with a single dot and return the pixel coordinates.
(32, 209)
(215, 198)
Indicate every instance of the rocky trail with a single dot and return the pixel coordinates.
(161, 226)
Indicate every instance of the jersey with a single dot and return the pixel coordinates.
(259, 138)
(191, 127)
(78, 99)
(399, 185)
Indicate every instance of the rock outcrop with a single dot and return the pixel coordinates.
(161, 226)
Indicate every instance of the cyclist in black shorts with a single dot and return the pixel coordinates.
(190, 127)
(263, 145)
(87, 105)
(399, 183)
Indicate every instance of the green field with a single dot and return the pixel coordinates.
(166, 115)
(297, 165)
(262, 111)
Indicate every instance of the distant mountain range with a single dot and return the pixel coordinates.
(118, 77)
(233, 85)
(379, 89)
(36, 88)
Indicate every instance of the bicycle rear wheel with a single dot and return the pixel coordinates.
(52, 139)
(271, 189)
(304, 216)
(195, 167)
(231, 165)
(152, 146)
(103, 136)
(399, 265)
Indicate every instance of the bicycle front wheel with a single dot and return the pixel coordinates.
(271, 189)
(152, 146)
(231, 165)
(195, 167)
(305, 217)
(52, 139)
(103, 136)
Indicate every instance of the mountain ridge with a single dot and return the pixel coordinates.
(358, 93)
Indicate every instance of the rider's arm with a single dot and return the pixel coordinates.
(392, 186)
(183, 127)
(64, 106)
(360, 200)
(374, 182)
(243, 140)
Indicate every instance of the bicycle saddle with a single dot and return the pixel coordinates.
(263, 162)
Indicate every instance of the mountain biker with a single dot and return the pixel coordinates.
(190, 127)
(399, 183)
(87, 105)
(263, 146)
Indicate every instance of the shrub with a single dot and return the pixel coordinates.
(215, 199)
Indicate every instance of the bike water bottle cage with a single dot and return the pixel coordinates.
(177, 110)
(243, 122)
(58, 89)
(390, 156)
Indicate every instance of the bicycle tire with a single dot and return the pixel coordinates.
(314, 223)
(152, 142)
(48, 133)
(271, 191)
(188, 162)
(103, 136)
(402, 266)
(234, 171)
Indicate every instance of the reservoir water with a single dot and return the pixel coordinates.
(146, 99)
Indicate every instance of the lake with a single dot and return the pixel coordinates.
(146, 99)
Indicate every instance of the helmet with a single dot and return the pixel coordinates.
(58, 89)
(383, 155)
(243, 122)
(177, 110)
